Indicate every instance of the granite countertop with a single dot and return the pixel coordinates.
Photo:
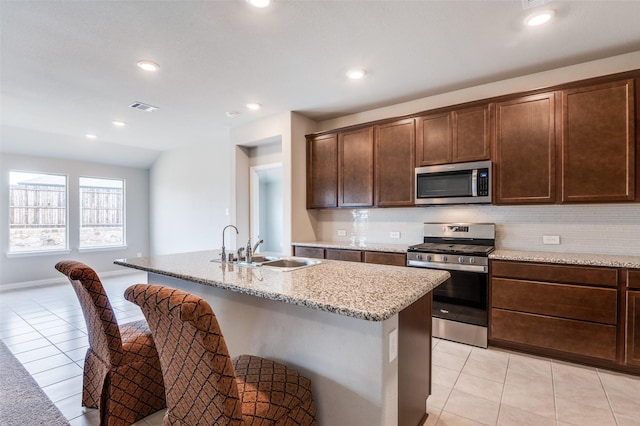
(348, 245)
(360, 290)
(585, 259)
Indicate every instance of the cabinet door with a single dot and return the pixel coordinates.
(355, 168)
(322, 171)
(347, 255)
(633, 328)
(598, 143)
(380, 258)
(394, 165)
(471, 134)
(433, 139)
(314, 252)
(524, 164)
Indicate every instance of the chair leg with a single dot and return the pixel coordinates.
(95, 372)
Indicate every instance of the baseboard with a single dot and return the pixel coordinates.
(56, 281)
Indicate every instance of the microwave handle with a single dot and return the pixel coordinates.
(474, 182)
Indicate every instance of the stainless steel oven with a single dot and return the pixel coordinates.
(459, 304)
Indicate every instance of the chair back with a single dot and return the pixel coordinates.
(200, 381)
(102, 326)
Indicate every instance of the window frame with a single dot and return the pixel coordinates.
(39, 252)
(123, 244)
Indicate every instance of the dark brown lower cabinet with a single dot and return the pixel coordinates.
(632, 353)
(350, 255)
(341, 254)
(577, 313)
(383, 258)
(313, 252)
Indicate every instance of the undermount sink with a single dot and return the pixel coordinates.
(275, 262)
(291, 264)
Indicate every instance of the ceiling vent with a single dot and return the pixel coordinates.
(143, 107)
(528, 4)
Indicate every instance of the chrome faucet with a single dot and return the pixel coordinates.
(224, 251)
(249, 252)
(256, 245)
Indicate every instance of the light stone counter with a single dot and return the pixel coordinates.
(359, 290)
(585, 259)
(360, 332)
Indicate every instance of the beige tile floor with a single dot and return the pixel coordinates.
(45, 329)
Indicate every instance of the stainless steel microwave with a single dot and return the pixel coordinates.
(461, 183)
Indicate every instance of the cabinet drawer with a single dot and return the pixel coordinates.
(556, 273)
(576, 337)
(633, 278)
(313, 252)
(348, 255)
(395, 259)
(559, 300)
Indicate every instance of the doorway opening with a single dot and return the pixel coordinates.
(266, 206)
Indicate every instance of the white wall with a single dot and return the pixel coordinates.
(190, 192)
(289, 128)
(605, 229)
(39, 269)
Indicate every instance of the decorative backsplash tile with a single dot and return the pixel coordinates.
(605, 229)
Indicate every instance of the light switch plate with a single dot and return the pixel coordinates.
(551, 239)
(394, 234)
(342, 233)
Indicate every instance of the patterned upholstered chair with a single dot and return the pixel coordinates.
(204, 385)
(122, 374)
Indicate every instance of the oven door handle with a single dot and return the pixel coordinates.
(449, 266)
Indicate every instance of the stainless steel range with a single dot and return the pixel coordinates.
(460, 303)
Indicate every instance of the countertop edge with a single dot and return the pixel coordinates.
(581, 259)
(326, 307)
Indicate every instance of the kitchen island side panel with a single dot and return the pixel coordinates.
(347, 359)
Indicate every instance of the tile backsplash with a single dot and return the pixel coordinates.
(604, 229)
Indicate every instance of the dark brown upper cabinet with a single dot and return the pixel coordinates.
(454, 137)
(525, 161)
(322, 171)
(598, 143)
(355, 168)
(394, 163)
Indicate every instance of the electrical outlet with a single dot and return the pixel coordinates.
(342, 233)
(139, 254)
(394, 234)
(393, 344)
(551, 239)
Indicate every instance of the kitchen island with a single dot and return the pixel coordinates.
(360, 332)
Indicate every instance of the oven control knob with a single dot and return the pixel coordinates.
(461, 259)
(472, 260)
(444, 258)
(428, 258)
(418, 256)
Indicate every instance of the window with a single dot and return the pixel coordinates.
(37, 212)
(101, 212)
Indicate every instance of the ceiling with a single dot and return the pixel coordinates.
(68, 68)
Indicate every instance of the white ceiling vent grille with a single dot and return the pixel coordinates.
(143, 107)
(528, 4)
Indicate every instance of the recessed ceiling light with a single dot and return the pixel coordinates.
(118, 123)
(148, 66)
(90, 136)
(259, 3)
(232, 114)
(253, 106)
(356, 74)
(540, 17)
